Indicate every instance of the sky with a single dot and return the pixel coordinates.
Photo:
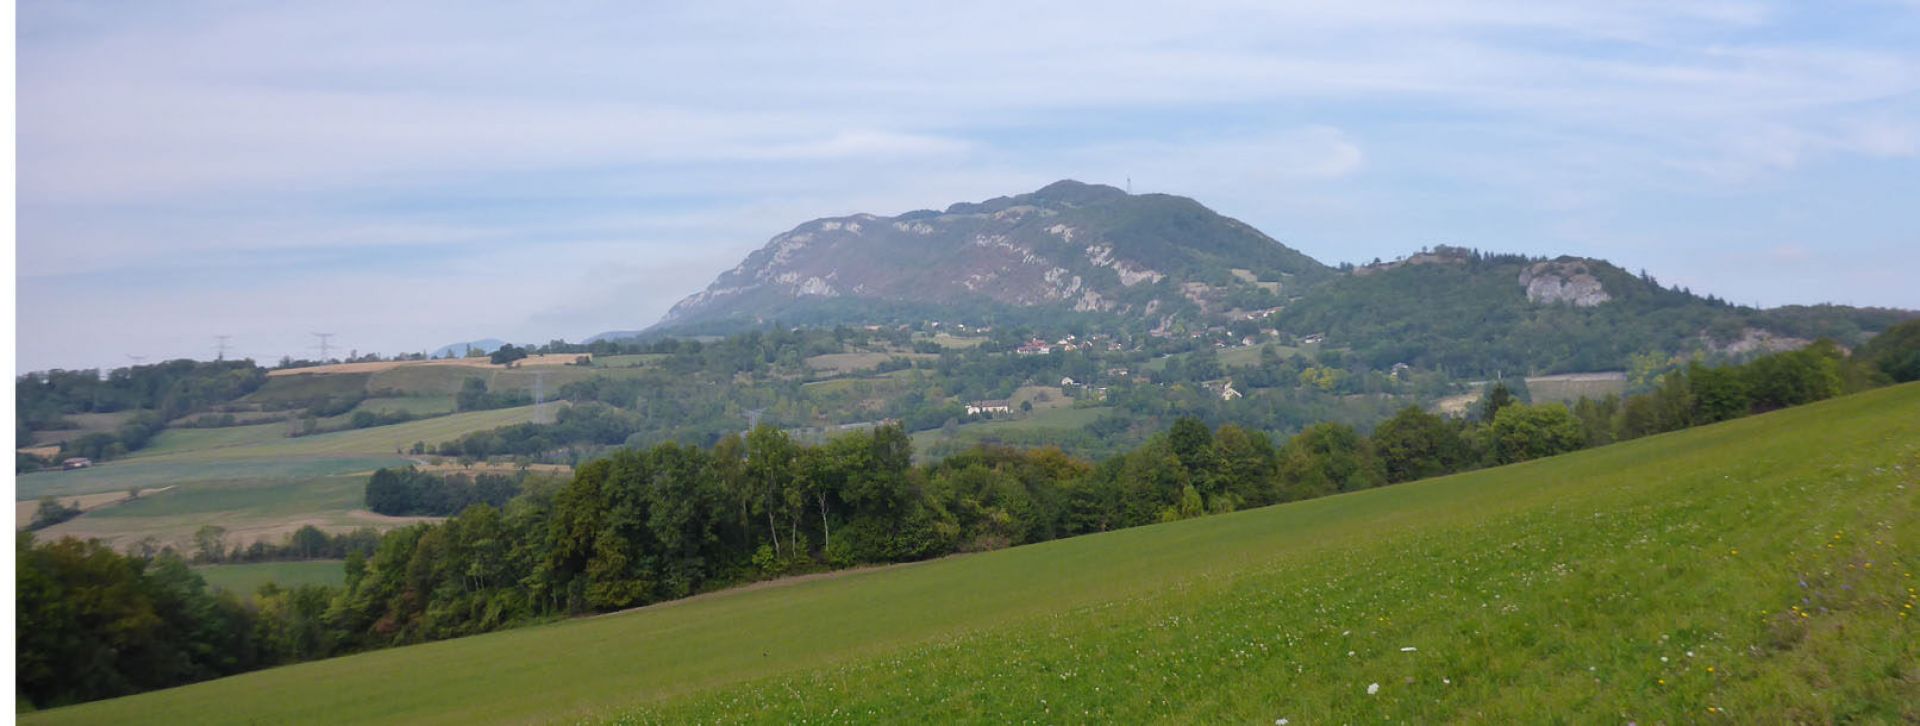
(406, 175)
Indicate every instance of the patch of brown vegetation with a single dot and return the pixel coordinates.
(23, 511)
(559, 359)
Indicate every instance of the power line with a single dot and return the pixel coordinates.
(220, 346)
(326, 345)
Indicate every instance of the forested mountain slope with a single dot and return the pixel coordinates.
(1095, 258)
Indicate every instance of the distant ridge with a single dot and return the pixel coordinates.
(459, 350)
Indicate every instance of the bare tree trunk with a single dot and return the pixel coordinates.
(825, 530)
(774, 530)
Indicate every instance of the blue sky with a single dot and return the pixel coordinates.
(411, 174)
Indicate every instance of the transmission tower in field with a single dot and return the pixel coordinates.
(326, 345)
(540, 412)
(220, 346)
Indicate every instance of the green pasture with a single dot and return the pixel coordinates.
(1759, 570)
(249, 509)
(1040, 420)
(120, 475)
(272, 441)
(295, 389)
(246, 579)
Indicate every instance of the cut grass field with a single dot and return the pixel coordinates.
(118, 476)
(255, 481)
(1574, 386)
(1062, 418)
(843, 363)
(1760, 570)
(246, 579)
(250, 510)
(271, 440)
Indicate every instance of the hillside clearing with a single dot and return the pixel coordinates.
(1751, 570)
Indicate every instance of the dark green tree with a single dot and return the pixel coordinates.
(1415, 444)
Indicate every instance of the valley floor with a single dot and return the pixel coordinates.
(1757, 570)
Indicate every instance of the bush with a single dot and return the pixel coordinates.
(1522, 432)
(1896, 352)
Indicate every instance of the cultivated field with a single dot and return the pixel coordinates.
(838, 363)
(83, 423)
(1571, 387)
(250, 510)
(24, 510)
(1760, 570)
(947, 340)
(255, 481)
(271, 440)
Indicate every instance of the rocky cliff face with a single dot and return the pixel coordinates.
(1080, 247)
(1563, 281)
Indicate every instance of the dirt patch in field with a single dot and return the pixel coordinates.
(44, 452)
(23, 511)
(1456, 405)
(561, 359)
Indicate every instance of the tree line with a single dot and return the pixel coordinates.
(649, 524)
(408, 491)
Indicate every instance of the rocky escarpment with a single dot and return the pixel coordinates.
(1563, 281)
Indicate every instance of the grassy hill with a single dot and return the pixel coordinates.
(1756, 570)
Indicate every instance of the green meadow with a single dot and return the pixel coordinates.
(245, 579)
(254, 481)
(1759, 570)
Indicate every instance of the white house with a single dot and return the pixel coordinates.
(1227, 393)
(978, 407)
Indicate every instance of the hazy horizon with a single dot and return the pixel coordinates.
(411, 176)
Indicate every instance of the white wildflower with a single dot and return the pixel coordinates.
(1408, 649)
(1373, 688)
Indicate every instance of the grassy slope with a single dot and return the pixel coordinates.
(253, 509)
(245, 579)
(260, 452)
(1651, 581)
(118, 476)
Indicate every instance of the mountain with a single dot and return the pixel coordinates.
(1168, 266)
(1068, 247)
